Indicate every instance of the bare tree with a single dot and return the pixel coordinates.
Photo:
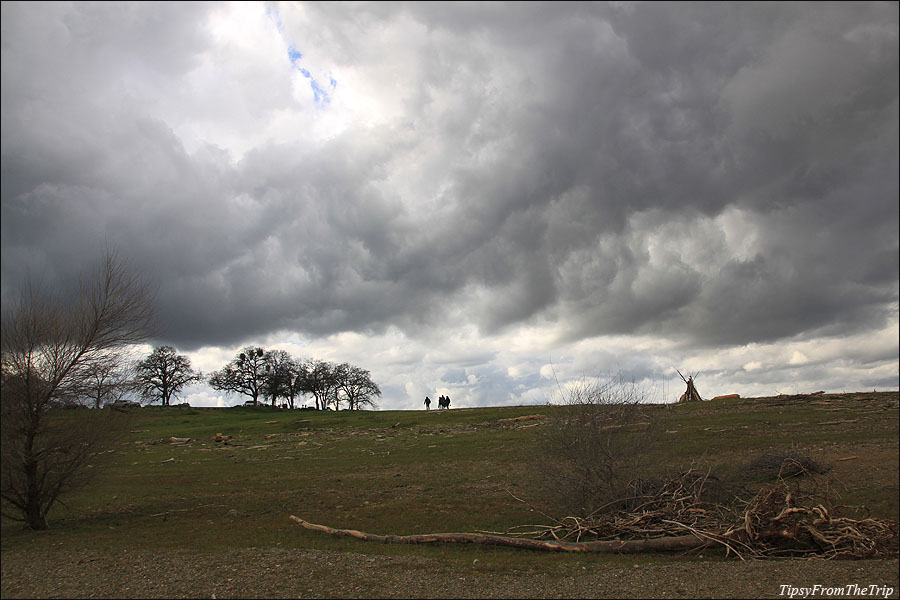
(356, 386)
(245, 374)
(107, 380)
(51, 344)
(164, 373)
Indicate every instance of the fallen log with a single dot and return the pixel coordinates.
(662, 544)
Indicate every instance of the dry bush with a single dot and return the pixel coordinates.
(594, 446)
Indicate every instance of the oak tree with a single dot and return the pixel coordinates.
(245, 374)
(356, 387)
(164, 373)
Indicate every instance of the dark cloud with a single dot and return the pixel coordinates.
(714, 174)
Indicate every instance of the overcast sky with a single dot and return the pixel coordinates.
(482, 200)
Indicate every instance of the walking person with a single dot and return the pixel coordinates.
(427, 403)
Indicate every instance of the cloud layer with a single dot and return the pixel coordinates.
(466, 190)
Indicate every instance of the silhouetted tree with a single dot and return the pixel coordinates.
(317, 378)
(282, 370)
(164, 373)
(356, 386)
(245, 374)
(51, 345)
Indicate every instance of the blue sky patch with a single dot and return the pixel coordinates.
(294, 55)
(320, 94)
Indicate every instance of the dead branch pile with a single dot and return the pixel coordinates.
(781, 519)
(690, 503)
(778, 521)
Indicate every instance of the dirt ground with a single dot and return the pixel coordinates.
(276, 573)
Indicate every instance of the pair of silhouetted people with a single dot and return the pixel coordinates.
(443, 402)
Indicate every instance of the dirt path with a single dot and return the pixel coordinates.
(276, 573)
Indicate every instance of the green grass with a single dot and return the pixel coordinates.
(407, 472)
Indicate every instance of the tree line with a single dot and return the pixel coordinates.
(280, 379)
(263, 376)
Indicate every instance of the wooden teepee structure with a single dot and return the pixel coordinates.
(691, 394)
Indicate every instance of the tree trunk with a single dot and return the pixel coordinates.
(35, 517)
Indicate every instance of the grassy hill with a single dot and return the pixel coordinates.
(407, 472)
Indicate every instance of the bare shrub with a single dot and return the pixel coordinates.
(594, 446)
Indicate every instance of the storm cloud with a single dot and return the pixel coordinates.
(459, 194)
